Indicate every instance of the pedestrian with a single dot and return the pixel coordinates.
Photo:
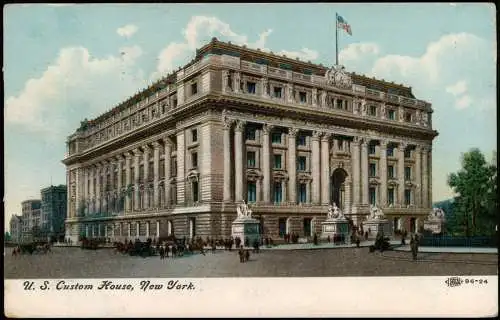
(413, 246)
(247, 255)
(162, 252)
(328, 239)
(241, 254)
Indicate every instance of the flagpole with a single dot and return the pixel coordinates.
(336, 39)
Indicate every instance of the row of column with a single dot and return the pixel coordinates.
(94, 230)
(320, 166)
(96, 175)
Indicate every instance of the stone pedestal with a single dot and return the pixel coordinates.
(333, 227)
(434, 226)
(246, 228)
(376, 225)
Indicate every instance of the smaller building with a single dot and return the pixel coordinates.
(30, 217)
(53, 211)
(16, 228)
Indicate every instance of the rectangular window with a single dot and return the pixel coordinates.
(173, 167)
(194, 88)
(390, 196)
(276, 137)
(301, 141)
(250, 132)
(408, 117)
(302, 193)
(390, 172)
(339, 103)
(373, 196)
(252, 192)
(194, 135)
(251, 87)
(194, 186)
(251, 159)
(277, 192)
(407, 173)
(277, 161)
(390, 151)
(301, 163)
(194, 160)
(407, 153)
(407, 197)
(373, 169)
(302, 97)
(277, 92)
(373, 111)
(371, 149)
(391, 115)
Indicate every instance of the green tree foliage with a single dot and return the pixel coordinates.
(7, 236)
(476, 202)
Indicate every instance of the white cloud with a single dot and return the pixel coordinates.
(74, 86)
(463, 102)
(458, 88)
(355, 51)
(127, 31)
(200, 29)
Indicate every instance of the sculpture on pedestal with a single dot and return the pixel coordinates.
(376, 213)
(243, 210)
(334, 212)
(437, 214)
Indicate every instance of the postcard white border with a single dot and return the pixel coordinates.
(257, 297)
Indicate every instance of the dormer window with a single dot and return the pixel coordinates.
(302, 97)
(250, 133)
(194, 88)
(339, 104)
(373, 111)
(277, 92)
(391, 115)
(251, 87)
(408, 116)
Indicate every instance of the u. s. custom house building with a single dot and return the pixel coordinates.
(236, 124)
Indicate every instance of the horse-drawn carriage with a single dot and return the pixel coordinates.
(33, 247)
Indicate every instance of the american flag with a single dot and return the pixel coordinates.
(342, 24)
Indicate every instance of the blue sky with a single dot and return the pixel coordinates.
(66, 63)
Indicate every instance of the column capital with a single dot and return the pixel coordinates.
(326, 137)
(146, 149)
(317, 134)
(156, 145)
(364, 141)
(240, 125)
(356, 140)
(418, 148)
(292, 132)
(167, 141)
(384, 143)
(267, 128)
(227, 122)
(137, 152)
(128, 155)
(402, 145)
(119, 158)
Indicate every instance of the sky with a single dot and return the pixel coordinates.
(64, 63)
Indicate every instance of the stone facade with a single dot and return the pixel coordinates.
(239, 124)
(16, 228)
(54, 202)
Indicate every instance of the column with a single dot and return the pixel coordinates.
(383, 173)
(156, 172)
(180, 178)
(401, 173)
(119, 182)
(137, 158)
(425, 177)
(348, 197)
(238, 162)
(429, 179)
(266, 163)
(356, 166)
(292, 163)
(129, 229)
(105, 190)
(308, 191)
(315, 166)
(105, 230)
(418, 177)
(147, 229)
(146, 175)
(157, 229)
(137, 225)
(364, 172)
(98, 188)
(167, 146)
(112, 185)
(86, 196)
(227, 159)
(284, 190)
(92, 193)
(128, 181)
(325, 169)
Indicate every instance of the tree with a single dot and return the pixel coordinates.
(8, 237)
(475, 188)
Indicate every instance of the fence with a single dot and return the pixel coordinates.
(447, 241)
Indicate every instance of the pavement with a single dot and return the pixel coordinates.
(396, 244)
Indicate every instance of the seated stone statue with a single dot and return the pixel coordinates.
(376, 213)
